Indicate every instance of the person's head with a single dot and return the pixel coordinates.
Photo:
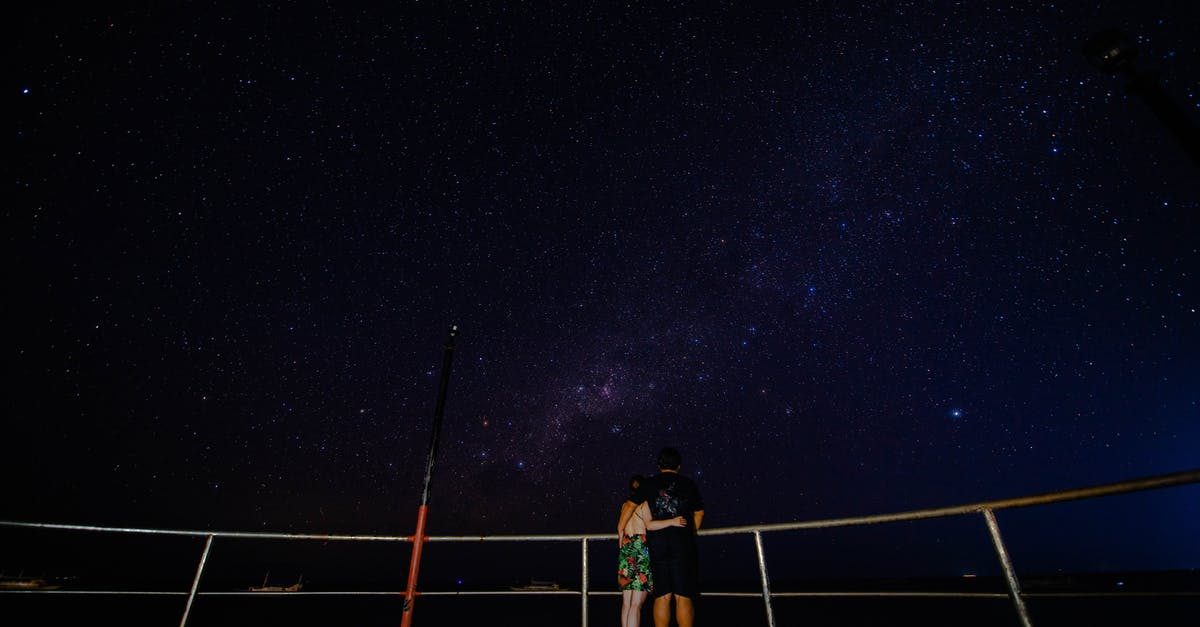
(669, 459)
(635, 482)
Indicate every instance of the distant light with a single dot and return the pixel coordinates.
(25, 91)
(956, 413)
(1110, 51)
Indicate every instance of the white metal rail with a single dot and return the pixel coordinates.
(986, 509)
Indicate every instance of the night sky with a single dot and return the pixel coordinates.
(849, 258)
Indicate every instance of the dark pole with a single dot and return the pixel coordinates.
(1145, 85)
(418, 537)
(1112, 52)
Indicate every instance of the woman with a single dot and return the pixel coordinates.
(634, 579)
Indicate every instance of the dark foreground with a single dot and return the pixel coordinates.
(1050, 603)
(1168, 612)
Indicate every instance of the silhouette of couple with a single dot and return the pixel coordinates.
(657, 537)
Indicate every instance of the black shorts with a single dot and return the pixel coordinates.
(675, 564)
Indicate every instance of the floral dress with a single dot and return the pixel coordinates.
(633, 566)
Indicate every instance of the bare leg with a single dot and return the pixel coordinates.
(625, 598)
(662, 611)
(684, 612)
(634, 618)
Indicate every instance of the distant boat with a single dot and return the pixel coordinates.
(537, 586)
(26, 583)
(296, 587)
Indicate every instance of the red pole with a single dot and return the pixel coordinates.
(414, 564)
(418, 538)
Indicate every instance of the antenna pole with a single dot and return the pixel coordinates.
(418, 537)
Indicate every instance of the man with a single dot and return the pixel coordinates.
(674, 561)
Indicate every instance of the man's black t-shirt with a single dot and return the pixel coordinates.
(669, 495)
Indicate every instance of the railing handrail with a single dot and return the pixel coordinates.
(986, 508)
(1107, 489)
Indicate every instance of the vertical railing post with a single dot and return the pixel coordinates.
(187, 609)
(1010, 575)
(766, 582)
(584, 588)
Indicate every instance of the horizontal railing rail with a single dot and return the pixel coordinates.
(986, 508)
(1121, 487)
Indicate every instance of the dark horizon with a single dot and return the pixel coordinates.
(901, 555)
(1166, 597)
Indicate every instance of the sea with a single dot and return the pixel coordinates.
(1175, 602)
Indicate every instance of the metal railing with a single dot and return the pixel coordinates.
(986, 509)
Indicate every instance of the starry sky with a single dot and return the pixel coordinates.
(849, 258)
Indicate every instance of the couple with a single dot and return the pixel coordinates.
(663, 562)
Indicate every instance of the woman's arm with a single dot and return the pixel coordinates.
(626, 513)
(655, 525)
